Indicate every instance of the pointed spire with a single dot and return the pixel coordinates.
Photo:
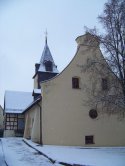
(46, 37)
(47, 57)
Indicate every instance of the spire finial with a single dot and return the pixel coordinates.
(46, 33)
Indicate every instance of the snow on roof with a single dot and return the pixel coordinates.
(16, 101)
(43, 69)
(32, 104)
(47, 56)
(37, 91)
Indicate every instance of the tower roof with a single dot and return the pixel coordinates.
(47, 57)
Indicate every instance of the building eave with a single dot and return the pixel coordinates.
(32, 104)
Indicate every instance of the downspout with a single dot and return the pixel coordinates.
(41, 141)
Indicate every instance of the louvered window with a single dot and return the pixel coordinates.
(48, 66)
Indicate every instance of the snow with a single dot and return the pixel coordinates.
(11, 111)
(37, 91)
(46, 56)
(17, 153)
(42, 69)
(31, 104)
(16, 101)
(98, 156)
(1, 155)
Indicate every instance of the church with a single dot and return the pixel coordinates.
(68, 107)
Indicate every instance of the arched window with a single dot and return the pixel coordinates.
(48, 66)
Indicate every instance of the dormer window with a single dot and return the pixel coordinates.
(48, 66)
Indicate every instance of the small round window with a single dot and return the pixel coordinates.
(93, 113)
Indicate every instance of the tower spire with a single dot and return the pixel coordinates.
(46, 36)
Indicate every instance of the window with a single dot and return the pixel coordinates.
(104, 84)
(75, 83)
(89, 139)
(48, 65)
(11, 121)
(93, 114)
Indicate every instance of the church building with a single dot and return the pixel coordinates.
(70, 110)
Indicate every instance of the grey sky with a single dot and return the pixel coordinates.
(22, 38)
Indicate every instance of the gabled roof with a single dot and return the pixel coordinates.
(16, 101)
(47, 56)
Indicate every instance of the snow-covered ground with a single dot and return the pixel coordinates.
(17, 153)
(2, 163)
(102, 156)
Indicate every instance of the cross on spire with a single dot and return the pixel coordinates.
(46, 33)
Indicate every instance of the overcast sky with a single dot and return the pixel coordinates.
(22, 36)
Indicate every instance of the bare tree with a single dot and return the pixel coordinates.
(113, 20)
(113, 41)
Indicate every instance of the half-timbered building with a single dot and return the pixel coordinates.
(14, 103)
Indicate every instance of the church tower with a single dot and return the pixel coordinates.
(44, 70)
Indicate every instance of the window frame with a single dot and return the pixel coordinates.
(48, 66)
(89, 139)
(11, 121)
(75, 82)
